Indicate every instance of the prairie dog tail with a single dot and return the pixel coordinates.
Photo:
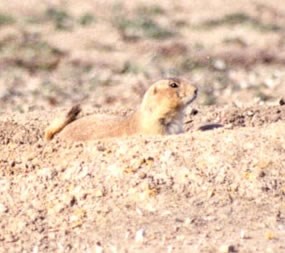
(59, 123)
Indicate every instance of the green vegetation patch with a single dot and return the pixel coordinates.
(152, 10)
(190, 64)
(60, 17)
(238, 19)
(142, 27)
(32, 54)
(87, 19)
(6, 19)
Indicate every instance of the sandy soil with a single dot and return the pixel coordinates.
(219, 187)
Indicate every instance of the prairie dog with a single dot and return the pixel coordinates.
(160, 113)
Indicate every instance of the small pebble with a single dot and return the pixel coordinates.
(243, 234)
(250, 113)
(270, 235)
(3, 208)
(282, 101)
(169, 249)
(140, 235)
(99, 248)
(99, 193)
(227, 249)
(101, 148)
(229, 126)
(142, 175)
(219, 65)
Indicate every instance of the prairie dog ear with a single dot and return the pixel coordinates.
(154, 90)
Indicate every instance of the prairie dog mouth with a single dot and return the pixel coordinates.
(190, 100)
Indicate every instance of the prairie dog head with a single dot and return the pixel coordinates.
(168, 97)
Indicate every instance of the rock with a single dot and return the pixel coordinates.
(99, 248)
(243, 234)
(282, 101)
(227, 249)
(139, 237)
(219, 64)
(3, 208)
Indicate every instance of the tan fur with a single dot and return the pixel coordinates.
(160, 113)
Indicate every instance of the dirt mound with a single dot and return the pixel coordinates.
(18, 134)
(206, 118)
(154, 192)
(24, 148)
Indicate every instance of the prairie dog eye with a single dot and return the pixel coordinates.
(173, 85)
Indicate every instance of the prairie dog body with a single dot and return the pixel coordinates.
(160, 113)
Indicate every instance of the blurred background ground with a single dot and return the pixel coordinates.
(55, 53)
(205, 191)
